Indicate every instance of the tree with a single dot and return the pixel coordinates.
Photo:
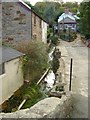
(85, 19)
(48, 10)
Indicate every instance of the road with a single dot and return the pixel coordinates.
(79, 52)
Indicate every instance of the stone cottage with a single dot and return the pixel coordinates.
(21, 22)
(11, 77)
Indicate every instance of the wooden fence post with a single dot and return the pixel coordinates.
(70, 74)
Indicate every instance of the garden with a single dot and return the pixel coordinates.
(68, 35)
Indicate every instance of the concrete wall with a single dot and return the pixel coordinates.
(36, 29)
(11, 80)
(44, 31)
(48, 108)
(16, 22)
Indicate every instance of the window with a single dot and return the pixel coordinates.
(73, 26)
(34, 20)
(22, 18)
(2, 68)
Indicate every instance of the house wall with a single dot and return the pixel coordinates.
(44, 31)
(36, 28)
(67, 26)
(16, 22)
(11, 80)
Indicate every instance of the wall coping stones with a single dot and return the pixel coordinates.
(46, 108)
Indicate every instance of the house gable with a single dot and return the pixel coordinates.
(67, 20)
(16, 22)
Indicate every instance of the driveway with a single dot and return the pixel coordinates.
(79, 52)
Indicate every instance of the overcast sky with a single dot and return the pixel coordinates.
(34, 1)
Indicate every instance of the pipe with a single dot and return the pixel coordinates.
(23, 102)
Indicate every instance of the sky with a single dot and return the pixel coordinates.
(34, 1)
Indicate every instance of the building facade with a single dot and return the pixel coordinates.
(67, 21)
(11, 76)
(36, 27)
(16, 22)
(20, 22)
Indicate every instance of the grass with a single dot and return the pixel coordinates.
(31, 93)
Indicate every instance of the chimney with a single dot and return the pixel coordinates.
(67, 10)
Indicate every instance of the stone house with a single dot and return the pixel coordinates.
(11, 77)
(21, 22)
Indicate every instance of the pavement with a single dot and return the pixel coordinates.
(79, 53)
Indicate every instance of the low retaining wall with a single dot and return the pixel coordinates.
(51, 107)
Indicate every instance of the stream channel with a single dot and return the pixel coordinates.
(52, 85)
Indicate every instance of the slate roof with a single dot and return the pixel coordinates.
(68, 21)
(8, 54)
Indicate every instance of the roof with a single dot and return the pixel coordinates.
(64, 15)
(75, 16)
(70, 16)
(67, 21)
(8, 54)
(31, 9)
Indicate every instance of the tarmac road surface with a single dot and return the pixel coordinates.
(80, 54)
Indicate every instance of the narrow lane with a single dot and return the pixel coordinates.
(79, 53)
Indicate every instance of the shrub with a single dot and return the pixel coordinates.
(54, 39)
(55, 62)
(35, 61)
(49, 32)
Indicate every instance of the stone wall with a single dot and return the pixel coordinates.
(16, 22)
(36, 27)
(52, 107)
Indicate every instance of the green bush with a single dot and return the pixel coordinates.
(66, 36)
(34, 63)
(54, 39)
(55, 62)
(49, 32)
(55, 65)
